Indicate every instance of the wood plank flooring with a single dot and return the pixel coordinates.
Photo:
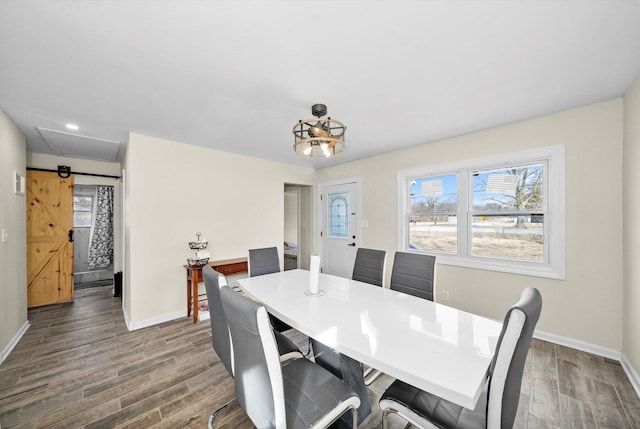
(78, 366)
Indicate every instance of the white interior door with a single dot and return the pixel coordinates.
(340, 233)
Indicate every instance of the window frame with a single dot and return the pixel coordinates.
(553, 265)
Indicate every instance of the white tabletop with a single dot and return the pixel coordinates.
(434, 347)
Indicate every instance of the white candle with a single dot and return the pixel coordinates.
(314, 274)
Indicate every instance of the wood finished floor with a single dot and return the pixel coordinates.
(77, 366)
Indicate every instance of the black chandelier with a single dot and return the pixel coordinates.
(319, 136)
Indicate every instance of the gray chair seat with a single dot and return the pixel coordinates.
(347, 369)
(311, 394)
(426, 410)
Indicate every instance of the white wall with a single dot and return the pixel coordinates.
(587, 306)
(13, 253)
(172, 191)
(291, 202)
(631, 336)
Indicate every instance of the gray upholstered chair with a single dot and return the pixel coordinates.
(266, 261)
(296, 394)
(498, 404)
(220, 338)
(369, 266)
(413, 274)
(263, 261)
(347, 369)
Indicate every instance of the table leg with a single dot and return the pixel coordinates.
(194, 294)
(188, 294)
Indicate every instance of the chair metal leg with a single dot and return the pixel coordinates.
(215, 413)
(354, 414)
(385, 415)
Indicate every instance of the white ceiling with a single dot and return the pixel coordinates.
(237, 75)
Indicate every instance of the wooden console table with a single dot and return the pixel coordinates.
(194, 277)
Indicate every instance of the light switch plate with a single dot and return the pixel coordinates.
(5, 235)
(18, 183)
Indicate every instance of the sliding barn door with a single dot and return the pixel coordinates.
(49, 238)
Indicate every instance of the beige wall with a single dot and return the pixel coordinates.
(291, 202)
(13, 253)
(631, 193)
(587, 306)
(174, 190)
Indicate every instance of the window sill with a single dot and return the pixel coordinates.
(511, 267)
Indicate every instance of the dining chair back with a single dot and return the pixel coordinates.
(498, 403)
(266, 261)
(263, 261)
(511, 353)
(369, 266)
(220, 335)
(298, 393)
(213, 280)
(413, 274)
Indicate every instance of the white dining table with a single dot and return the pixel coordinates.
(437, 348)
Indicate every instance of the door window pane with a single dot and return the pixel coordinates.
(338, 215)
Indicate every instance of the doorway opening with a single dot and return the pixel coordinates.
(93, 236)
(298, 224)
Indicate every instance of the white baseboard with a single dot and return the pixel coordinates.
(579, 345)
(5, 353)
(631, 374)
(133, 326)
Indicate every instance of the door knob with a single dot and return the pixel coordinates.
(352, 244)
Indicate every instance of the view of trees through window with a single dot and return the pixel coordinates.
(506, 214)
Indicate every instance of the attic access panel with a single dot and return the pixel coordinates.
(79, 146)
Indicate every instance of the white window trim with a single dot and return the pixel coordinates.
(554, 242)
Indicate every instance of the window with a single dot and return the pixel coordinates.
(82, 210)
(339, 215)
(433, 210)
(504, 213)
